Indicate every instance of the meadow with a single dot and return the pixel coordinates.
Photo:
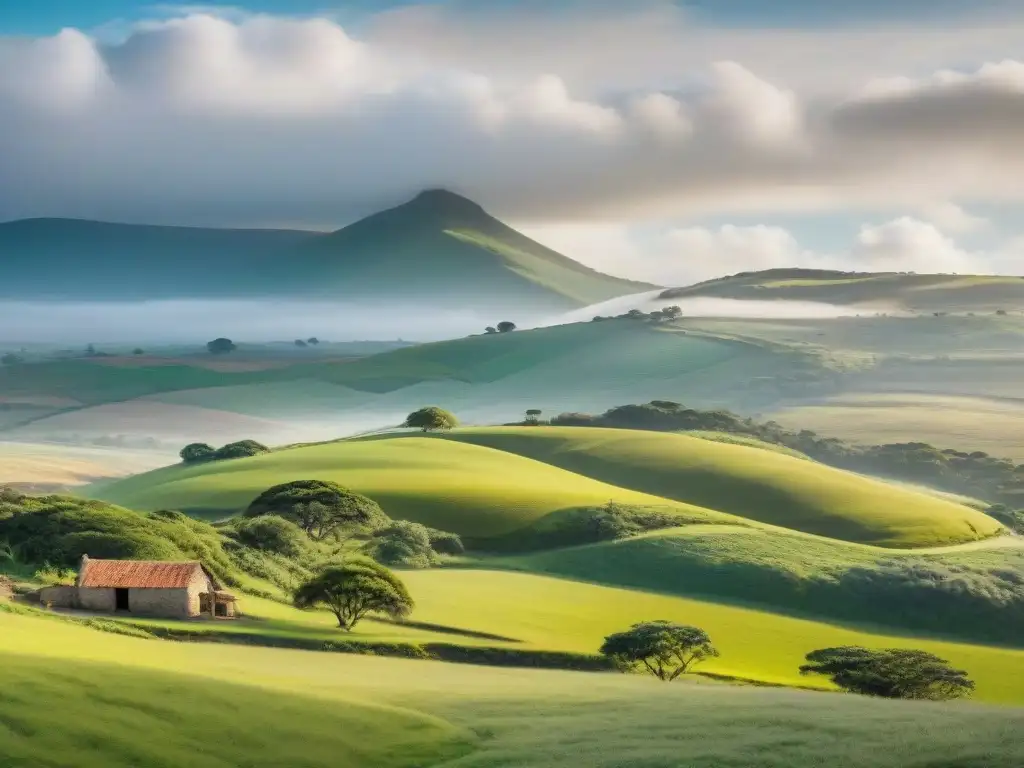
(135, 702)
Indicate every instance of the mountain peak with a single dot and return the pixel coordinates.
(445, 202)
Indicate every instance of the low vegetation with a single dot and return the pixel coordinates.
(891, 673)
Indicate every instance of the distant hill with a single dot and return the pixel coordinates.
(882, 290)
(437, 247)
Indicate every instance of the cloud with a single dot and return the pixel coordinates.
(208, 120)
(677, 256)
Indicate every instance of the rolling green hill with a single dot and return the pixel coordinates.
(79, 697)
(749, 482)
(438, 246)
(486, 483)
(893, 290)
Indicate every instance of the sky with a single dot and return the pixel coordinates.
(665, 141)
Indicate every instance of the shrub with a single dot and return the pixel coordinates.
(124, 545)
(404, 543)
(55, 577)
(445, 542)
(240, 450)
(194, 453)
(271, 533)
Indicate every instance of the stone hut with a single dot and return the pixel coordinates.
(150, 588)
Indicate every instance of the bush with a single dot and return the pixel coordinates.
(126, 545)
(194, 453)
(240, 450)
(404, 543)
(271, 533)
(445, 542)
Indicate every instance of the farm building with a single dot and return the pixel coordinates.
(152, 588)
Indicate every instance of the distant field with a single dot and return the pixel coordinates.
(882, 290)
(44, 465)
(969, 423)
(84, 698)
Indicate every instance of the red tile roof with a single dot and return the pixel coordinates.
(138, 574)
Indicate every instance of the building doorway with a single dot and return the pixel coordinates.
(121, 600)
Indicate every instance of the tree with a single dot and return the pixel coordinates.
(533, 416)
(353, 589)
(664, 649)
(271, 533)
(673, 312)
(319, 507)
(138, 351)
(891, 673)
(300, 343)
(313, 340)
(90, 350)
(196, 452)
(431, 418)
(490, 329)
(240, 450)
(506, 326)
(634, 314)
(220, 346)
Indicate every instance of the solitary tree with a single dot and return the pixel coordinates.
(319, 507)
(490, 329)
(353, 589)
(138, 351)
(431, 418)
(533, 416)
(506, 326)
(664, 649)
(891, 673)
(220, 346)
(313, 340)
(196, 452)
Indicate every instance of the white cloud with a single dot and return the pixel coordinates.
(211, 120)
(950, 217)
(676, 256)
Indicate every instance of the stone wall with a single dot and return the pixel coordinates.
(97, 599)
(59, 597)
(173, 603)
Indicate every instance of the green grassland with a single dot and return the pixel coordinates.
(985, 424)
(484, 483)
(765, 486)
(893, 290)
(471, 490)
(76, 697)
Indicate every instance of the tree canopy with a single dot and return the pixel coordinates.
(319, 507)
(353, 589)
(505, 326)
(431, 418)
(220, 346)
(196, 452)
(664, 649)
(891, 673)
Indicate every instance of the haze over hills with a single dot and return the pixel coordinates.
(882, 290)
(437, 247)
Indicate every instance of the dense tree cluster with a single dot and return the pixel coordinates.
(319, 507)
(665, 314)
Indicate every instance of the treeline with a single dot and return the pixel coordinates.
(998, 481)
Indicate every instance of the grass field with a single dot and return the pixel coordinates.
(472, 490)
(489, 482)
(765, 486)
(984, 424)
(76, 697)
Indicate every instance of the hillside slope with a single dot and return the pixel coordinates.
(748, 482)
(491, 482)
(882, 290)
(439, 246)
